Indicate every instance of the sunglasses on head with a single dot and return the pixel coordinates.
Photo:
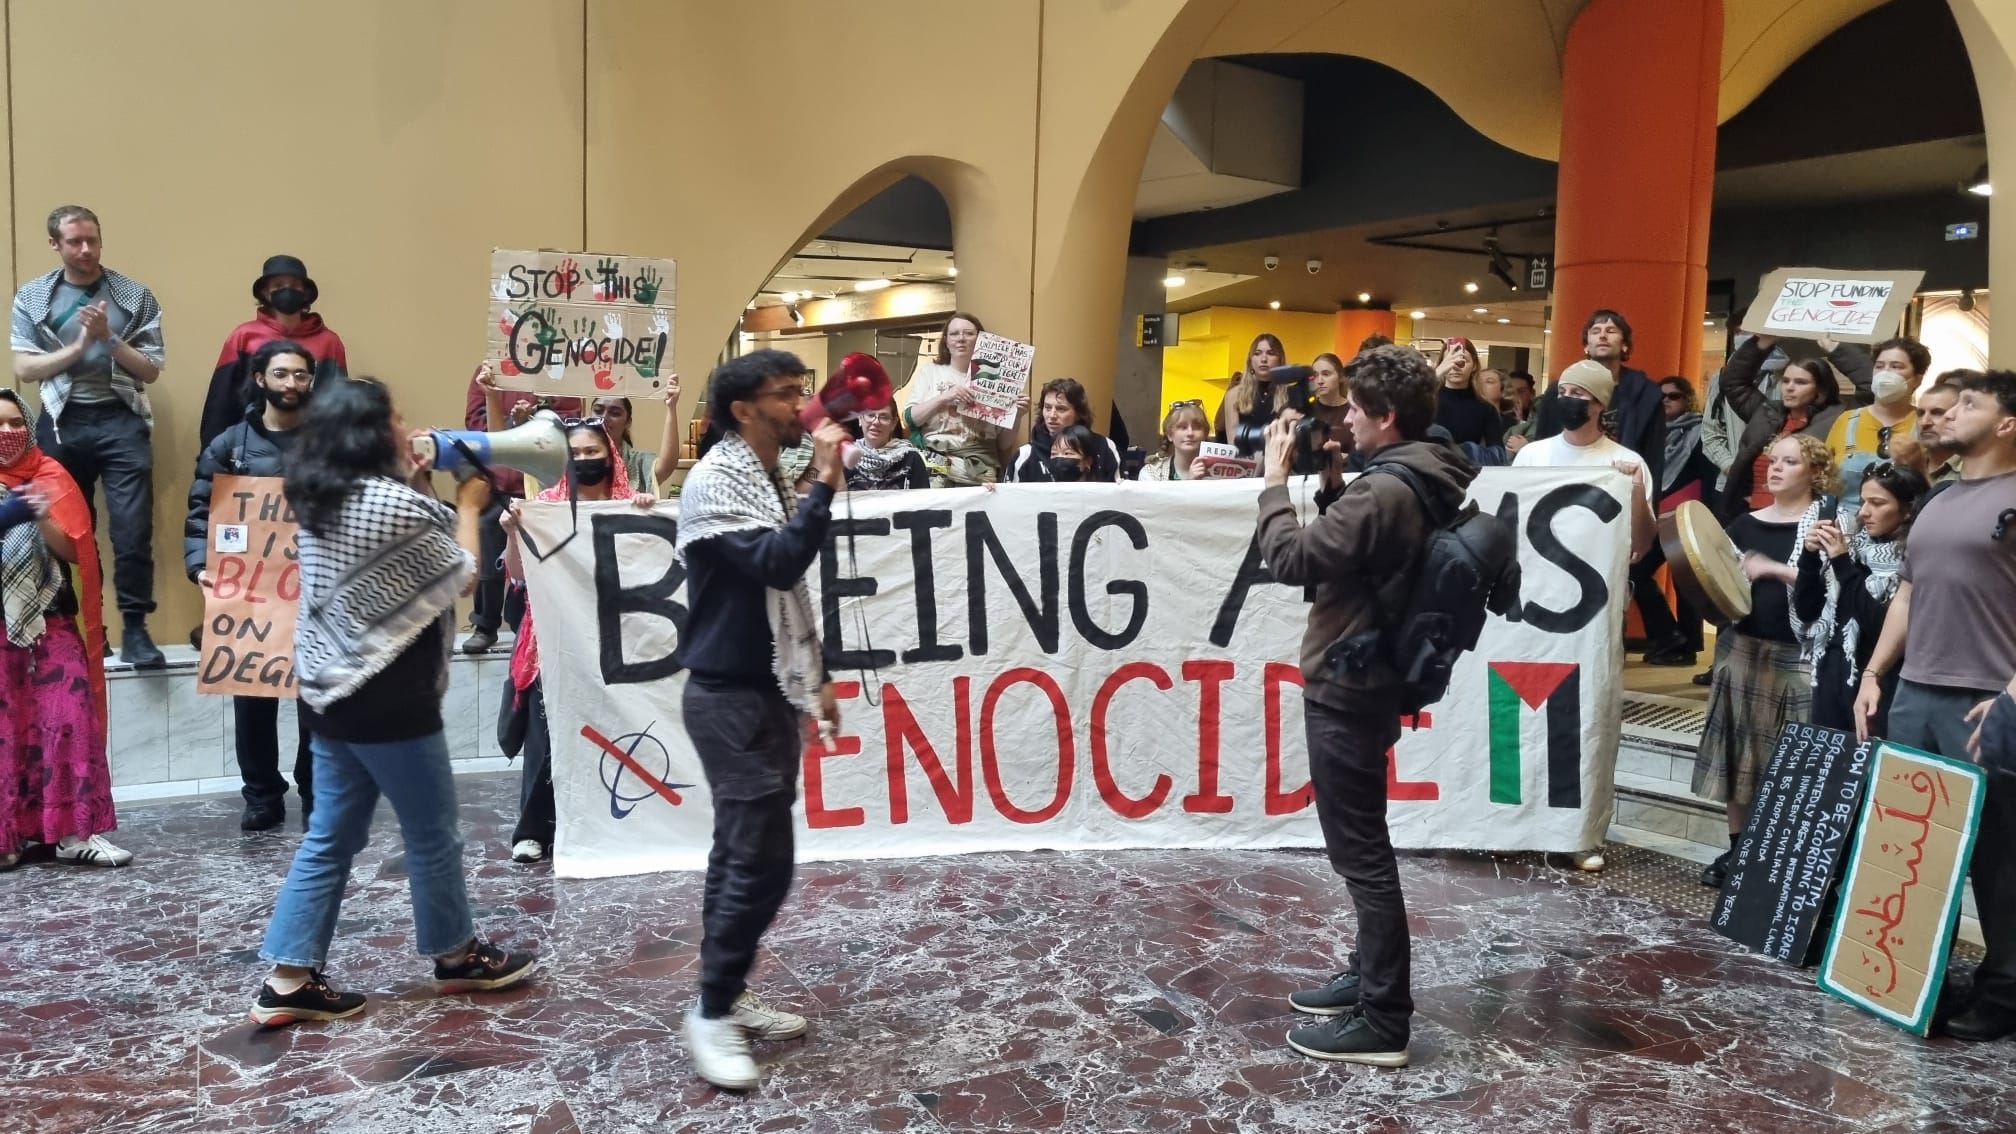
(1176, 405)
(573, 423)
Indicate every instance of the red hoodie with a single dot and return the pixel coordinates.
(231, 382)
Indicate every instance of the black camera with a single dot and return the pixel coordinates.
(1311, 432)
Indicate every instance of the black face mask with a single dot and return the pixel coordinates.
(1066, 468)
(288, 300)
(1574, 412)
(591, 472)
(284, 399)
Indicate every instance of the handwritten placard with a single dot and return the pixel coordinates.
(1000, 375)
(1796, 843)
(1900, 902)
(580, 322)
(1223, 462)
(254, 595)
(1855, 307)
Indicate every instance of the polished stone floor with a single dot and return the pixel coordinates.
(1033, 992)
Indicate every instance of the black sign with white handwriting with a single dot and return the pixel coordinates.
(1796, 843)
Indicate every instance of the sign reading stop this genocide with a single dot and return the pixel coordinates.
(580, 322)
(1852, 307)
(255, 590)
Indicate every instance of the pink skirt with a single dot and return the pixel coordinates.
(55, 780)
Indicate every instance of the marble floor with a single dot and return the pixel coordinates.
(1087, 992)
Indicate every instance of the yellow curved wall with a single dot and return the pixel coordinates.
(392, 143)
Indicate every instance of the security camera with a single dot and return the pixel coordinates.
(1314, 266)
(1271, 262)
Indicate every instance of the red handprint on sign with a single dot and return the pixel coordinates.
(604, 378)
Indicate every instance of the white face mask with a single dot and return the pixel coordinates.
(1890, 386)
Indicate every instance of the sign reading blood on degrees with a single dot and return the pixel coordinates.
(1080, 667)
(255, 590)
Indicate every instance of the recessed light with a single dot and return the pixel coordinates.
(870, 285)
(1174, 279)
(1364, 297)
(1470, 287)
(1504, 320)
(1274, 304)
(1480, 311)
(1417, 314)
(1707, 322)
(951, 269)
(789, 297)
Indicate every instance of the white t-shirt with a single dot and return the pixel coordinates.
(1560, 453)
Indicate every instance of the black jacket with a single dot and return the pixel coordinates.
(1468, 418)
(1765, 419)
(243, 449)
(1634, 418)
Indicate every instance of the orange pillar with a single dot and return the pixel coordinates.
(1354, 323)
(1639, 84)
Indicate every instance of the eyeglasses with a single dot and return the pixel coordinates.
(573, 423)
(1198, 402)
(282, 372)
(794, 393)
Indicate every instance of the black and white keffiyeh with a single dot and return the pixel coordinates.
(29, 581)
(1884, 559)
(886, 467)
(387, 569)
(731, 491)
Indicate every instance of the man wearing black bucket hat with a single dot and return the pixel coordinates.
(285, 294)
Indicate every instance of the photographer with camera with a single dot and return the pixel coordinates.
(1377, 528)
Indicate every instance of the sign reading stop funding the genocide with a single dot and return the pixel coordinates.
(1851, 307)
(255, 590)
(580, 322)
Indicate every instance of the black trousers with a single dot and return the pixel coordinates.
(1934, 719)
(256, 721)
(1347, 770)
(110, 442)
(750, 746)
(1662, 622)
(487, 612)
(536, 814)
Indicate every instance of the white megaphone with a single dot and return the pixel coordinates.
(537, 448)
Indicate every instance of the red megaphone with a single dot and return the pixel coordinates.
(859, 384)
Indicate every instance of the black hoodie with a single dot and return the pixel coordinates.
(247, 448)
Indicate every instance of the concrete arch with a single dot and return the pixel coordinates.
(1989, 28)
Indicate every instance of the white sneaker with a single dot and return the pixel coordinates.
(764, 1022)
(720, 1051)
(94, 851)
(528, 850)
(1589, 861)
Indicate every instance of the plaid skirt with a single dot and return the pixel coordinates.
(1760, 687)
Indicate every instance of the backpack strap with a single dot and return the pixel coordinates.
(1394, 589)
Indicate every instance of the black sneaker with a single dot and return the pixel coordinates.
(138, 650)
(1717, 872)
(1985, 1022)
(1333, 999)
(1705, 679)
(486, 969)
(1348, 1039)
(312, 1001)
(262, 816)
(479, 641)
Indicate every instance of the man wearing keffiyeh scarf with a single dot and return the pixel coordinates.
(752, 650)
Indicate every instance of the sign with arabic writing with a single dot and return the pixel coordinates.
(580, 322)
(1796, 843)
(1901, 900)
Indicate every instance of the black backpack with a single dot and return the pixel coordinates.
(1436, 609)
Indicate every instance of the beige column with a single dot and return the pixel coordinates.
(1989, 27)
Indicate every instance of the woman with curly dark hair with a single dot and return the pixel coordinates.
(382, 562)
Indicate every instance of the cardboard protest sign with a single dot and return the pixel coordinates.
(1796, 843)
(1000, 375)
(1900, 903)
(1222, 461)
(255, 590)
(1049, 666)
(1851, 307)
(580, 322)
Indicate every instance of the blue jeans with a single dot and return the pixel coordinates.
(349, 777)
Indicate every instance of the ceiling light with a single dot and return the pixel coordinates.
(1504, 320)
(1978, 184)
(1274, 304)
(1546, 330)
(789, 297)
(1417, 314)
(1480, 311)
(1707, 322)
(1364, 297)
(1174, 279)
(870, 285)
(1471, 287)
(951, 269)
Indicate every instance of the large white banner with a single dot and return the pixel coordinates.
(1077, 666)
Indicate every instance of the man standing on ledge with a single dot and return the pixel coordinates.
(92, 338)
(1374, 528)
(751, 648)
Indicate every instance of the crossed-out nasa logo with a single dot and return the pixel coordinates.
(634, 753)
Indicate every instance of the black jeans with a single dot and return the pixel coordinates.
(107, 440)
(256, 721)
(1934, 719)
(1662, 623)
(1347, 770)
(750, 746)
(488, 609)
(536, 815)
